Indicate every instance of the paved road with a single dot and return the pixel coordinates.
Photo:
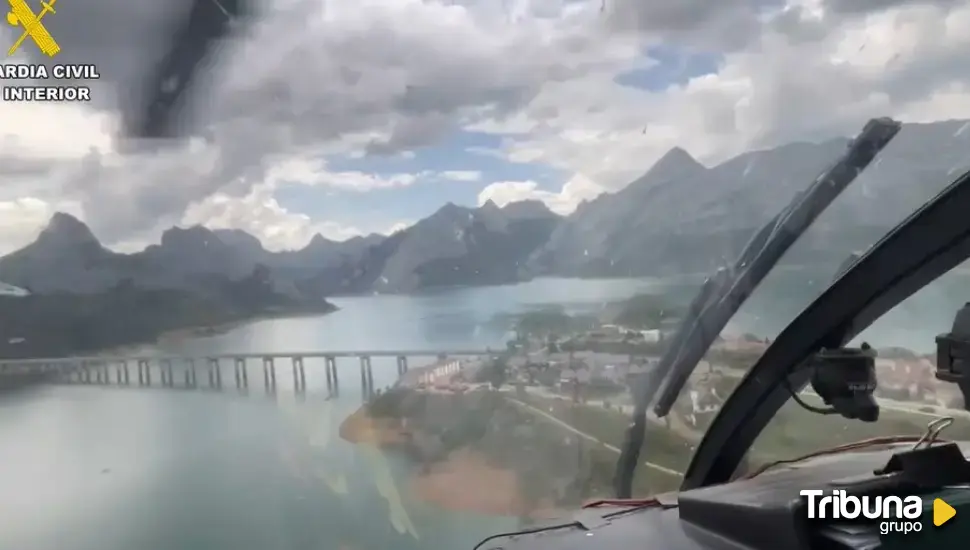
(584, 435)
(599, 403)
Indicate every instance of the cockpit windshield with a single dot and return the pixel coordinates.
(904, 339)
(367, 274)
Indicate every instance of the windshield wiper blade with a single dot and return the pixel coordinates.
(723, 294)
(167, 84)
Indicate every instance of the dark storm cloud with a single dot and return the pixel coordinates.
(721, 25)
(301, 80)
(292, 83)
(869, 6)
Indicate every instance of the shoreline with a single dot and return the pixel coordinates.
(361, 428)
(200, 331)
(204, 331)
(574, 277)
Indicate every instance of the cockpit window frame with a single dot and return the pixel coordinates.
(929, 243)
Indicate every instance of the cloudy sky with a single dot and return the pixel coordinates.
(356, 116)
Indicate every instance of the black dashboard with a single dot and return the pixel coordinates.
(714, 510)
(762, 512)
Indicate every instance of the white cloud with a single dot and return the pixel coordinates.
(314, 172)
(575, 191)
(838, 71)
(261, 215)
(397, 226)
(22, 219)
(53, 131)
(392, 76)
(462, 175)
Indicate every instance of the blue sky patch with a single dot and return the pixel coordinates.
(674, 67)
(377, 209)
(372, 210)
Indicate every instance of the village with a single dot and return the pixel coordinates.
(562, 387)
(596, 365)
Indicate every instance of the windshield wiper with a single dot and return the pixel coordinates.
(168, 83)
(723, 294)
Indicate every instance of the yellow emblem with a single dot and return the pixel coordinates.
(21, 15)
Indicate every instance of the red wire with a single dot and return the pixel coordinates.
(854, 446)
(863, 444)
(625, 502)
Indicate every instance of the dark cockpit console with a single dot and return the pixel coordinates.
(953, 354)
(768, 509)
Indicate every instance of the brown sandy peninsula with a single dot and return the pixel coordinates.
(467, 482)
(464, 480)
(364, 428)
(485, 489)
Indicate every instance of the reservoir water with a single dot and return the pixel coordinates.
(90, 468)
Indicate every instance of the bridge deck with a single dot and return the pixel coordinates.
(287, 355)
(222, 369)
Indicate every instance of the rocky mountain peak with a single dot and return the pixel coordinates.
(318, 241)
(195, 236)
(675, 162)
(66, 230)
(239, 238)
(489, 205)
(527, 210)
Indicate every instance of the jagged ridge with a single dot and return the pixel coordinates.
(67, 256)
(679, 217)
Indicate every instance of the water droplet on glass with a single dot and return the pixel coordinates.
(170, 84)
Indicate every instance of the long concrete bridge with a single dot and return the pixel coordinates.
(183, 372)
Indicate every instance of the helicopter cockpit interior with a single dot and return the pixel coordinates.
(721, 506)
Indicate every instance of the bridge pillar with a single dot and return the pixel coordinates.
(215, 373)
(240, 372)
(191, 380)
(144, 372)
(299, 375)
(121, 373)
(167, 373)
(61, 374)
(402, 365)
(333, 385)
(366, 376)
(269, 374)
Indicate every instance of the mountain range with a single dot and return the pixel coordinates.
(679, 217)
(453, 246)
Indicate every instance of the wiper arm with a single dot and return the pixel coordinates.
(723, 294)
(193, 41)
